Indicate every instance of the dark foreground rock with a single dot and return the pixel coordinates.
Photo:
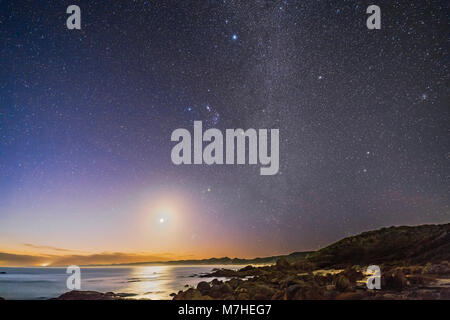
(241, 273)
(296, 281)
(92, 295)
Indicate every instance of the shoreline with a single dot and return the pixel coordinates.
(301, 281)
(414, 263)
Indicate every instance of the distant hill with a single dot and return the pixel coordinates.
(225, 260)
(416, 245)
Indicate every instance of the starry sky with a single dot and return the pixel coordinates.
(86, 117)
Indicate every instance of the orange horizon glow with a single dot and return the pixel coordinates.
(33, 259)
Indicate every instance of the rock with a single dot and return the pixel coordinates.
(395, 280)
(438, 269)
(388, 296)
(189, 294)
(420, 280)
(241, 291)
(203, 287)
(220, 291)
(302, 265)
(278, 295)
(329, 287)
(262, 292)
(352, 275)
(124, 294)
(424, 294)
(444, 294)
(242, 273)
(89, 295)
(216, 282)
(243, 296)
(221, 273)
(428, 295)
(282, 264)
(234, 283)
(312, 293)
(350, 296)
(287, 281)
(343, 284)
(292, 291)
(247, 268)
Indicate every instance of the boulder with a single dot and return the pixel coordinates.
(243, 296)
(292, 291)
(216, 282)
(189, 294)
(305, 266)
(444, 294)
(234, 283)
(282, 264)
(438, 269)
(89, 295)
(203, 287)
(262, 292)
(352, 274)
(395, 280)
(343, 284)
(220, 291)
(247, 268)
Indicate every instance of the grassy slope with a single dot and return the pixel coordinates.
(421, 244)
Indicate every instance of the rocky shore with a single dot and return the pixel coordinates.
(414, 263)
(300, 281)
(92, 295)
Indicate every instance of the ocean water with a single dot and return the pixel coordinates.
(147, 282)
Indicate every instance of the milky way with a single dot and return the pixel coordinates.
(86, 115)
